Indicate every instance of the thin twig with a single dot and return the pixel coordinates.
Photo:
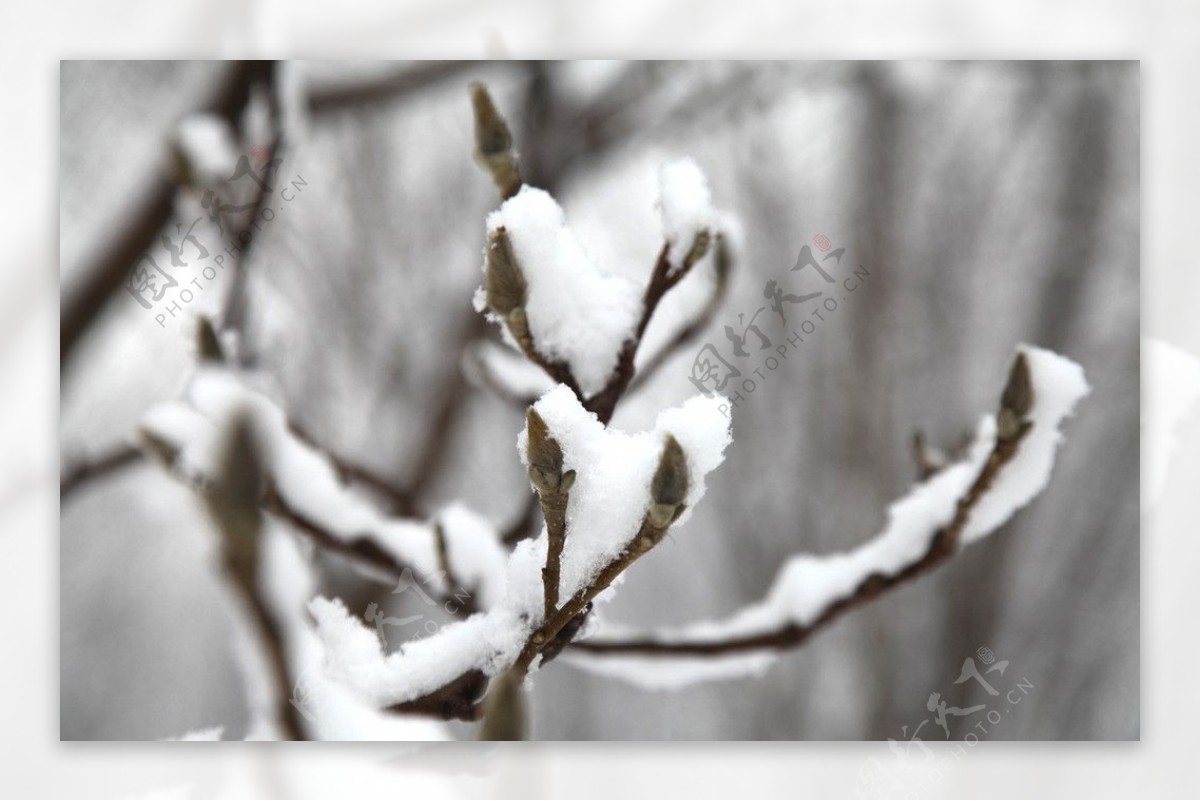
(102, 466)
(351, 95)
(140, 222)
(399, 499)
(362, 549)
(662, 280)
(234, 504)
(698, 325)
(553, 487)
(943, 544)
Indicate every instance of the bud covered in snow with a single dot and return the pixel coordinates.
(1017, 401)
(545, 458)
(669, 487)
(506, 287)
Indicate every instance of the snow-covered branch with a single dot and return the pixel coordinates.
(581, 325)
(1006, 466)
(627, 491)
(304, 488)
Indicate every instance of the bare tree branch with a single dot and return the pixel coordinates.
(103, 466)
(387, 88)
(687, 335)
(944, 543)
(141, 221)
(662, 280)
(234, 504)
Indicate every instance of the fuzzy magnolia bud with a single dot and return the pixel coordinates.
(699, 248)
(545, 457)
(233, 500)
(493, 142)
(1017, 401)
(492, 136)
(669, 487)
(506, 286)
(208, 345)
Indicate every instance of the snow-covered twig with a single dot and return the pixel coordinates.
(233, 504)
(107, 463)
(553, 486)
(1007, 464)
(687, 335)
(399, 499)
(304, 488)
(627, 491)
(143, 219)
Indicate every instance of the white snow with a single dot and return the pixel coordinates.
(1172, 389)
(328, 710)
(510, 370)
(577, 314)
(208, 145)
(684, 672)
(607, 504)
(685, 205)
(808, 584)
(212, 734)
(614, 470)
(1059, 384)
(475, 553)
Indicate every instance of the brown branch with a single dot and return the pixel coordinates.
(459, 699)
(362, 549)
(687, 335)
(399, 499)
(453, 580)
(233, 315)
(928, 461)
(140, 222)
(553, 488)
(87, 470)
(386, 88)
(432, 450)
(1013, 427)
(647, 537)
(662, 280)
(234, 504)
(668, 488)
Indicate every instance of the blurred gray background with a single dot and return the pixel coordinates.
(994, 203)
